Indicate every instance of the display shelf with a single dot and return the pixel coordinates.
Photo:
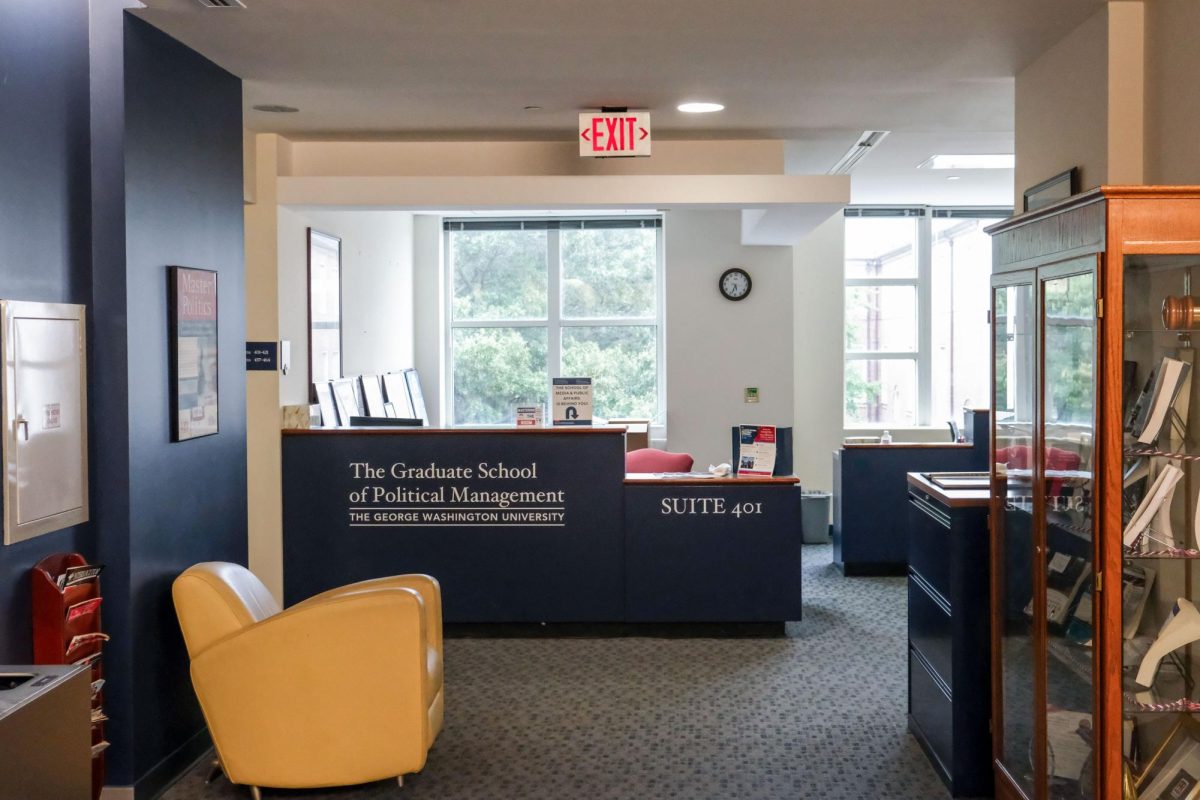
(1080, 339)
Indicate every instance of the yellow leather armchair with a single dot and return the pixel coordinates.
(343, 688)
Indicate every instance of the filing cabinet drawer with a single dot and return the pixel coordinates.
(929, 542)
(929, 628)
(930, 709)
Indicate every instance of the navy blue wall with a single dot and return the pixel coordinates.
(45, 220)
(120, 154)
(183, 200)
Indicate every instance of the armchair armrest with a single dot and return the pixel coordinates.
(296, 698)
(425, 585)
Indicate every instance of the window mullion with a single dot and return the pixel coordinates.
(553, 305)
(924, 318)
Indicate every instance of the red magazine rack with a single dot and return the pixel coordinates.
(66, 630)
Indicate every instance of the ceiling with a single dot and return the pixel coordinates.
(817, 72)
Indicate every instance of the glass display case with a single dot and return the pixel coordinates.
(1094, 510)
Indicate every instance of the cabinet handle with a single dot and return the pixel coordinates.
(20, 423)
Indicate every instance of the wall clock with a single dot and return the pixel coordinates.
(734, 284)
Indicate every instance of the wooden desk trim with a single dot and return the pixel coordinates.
(953, 498)
(908, 446)
(406, 431)
(651, 479)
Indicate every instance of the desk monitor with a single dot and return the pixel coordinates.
(386, 422)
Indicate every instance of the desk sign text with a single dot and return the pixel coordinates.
(605, 134)
(708, 506)
(400, 495)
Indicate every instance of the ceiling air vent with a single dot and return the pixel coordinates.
(222, 3)
(858, 151)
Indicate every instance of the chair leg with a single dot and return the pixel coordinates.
(256, 793)
(400, 781)
(214, 770)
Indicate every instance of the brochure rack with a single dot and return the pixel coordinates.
(66, 630)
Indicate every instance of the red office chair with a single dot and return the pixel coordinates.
(650, 459)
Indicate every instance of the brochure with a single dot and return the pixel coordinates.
(756, 454)
(77, 575)
(572, 399)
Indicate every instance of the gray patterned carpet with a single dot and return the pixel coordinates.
(817, 715)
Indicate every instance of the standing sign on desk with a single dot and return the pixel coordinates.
(756, 456)
(572, 398)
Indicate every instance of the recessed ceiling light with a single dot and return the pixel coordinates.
(952, 177)
(974, 161)
(533, 108)
(700, 108)
(272, 108)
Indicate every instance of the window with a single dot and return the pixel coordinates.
(534, 299)
(917, 289)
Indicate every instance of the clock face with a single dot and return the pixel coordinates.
(734, 284)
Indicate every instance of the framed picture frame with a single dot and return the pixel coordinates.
(1174, 771)
(192, 352)
(345, 397)
(329, 412)
(1051, 190)
(396, 387)
(324, 308)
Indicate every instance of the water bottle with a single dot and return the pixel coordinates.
(886, 438)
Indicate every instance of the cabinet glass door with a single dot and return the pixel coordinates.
(1160, 584)
(1014, 401)
(1067, 428)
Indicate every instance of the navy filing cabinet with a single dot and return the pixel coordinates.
(949, 648)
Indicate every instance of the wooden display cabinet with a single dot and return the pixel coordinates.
(1078, 326)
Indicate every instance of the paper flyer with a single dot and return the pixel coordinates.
(756, 456)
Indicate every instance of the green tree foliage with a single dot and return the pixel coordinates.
(1070, 349)
(496, 369)
(502, 275)
(499, 274)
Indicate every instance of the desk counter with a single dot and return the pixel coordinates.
(536, 525)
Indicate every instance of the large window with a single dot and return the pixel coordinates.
(540, 298)
(916, 343)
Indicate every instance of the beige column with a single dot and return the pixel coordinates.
(264, 484)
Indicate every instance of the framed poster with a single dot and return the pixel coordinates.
(192, 351)
(1051, 190)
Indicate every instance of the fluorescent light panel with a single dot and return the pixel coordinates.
(972, 161)
(858, 151)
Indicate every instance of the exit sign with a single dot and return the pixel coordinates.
(604, 134)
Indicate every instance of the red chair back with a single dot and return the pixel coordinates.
(650, 459)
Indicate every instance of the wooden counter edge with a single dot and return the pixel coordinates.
(650, 479)
(906, 445)
(403, 431)
(954, 498)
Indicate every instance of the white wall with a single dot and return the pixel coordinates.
(818, 306)
(716, 347)
(429, 313)
(377, 291)
(1061, 108)
(1172, 92)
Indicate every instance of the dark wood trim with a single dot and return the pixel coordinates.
(407, 431)
(952, 498)
(650, 479)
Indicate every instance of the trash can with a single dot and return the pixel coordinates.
(814, 517)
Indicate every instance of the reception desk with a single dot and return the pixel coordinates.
(536, 525)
